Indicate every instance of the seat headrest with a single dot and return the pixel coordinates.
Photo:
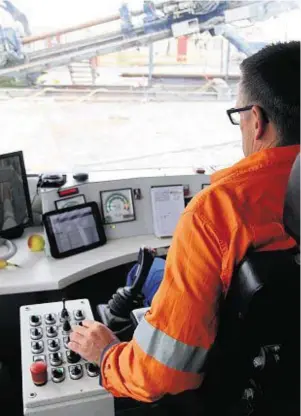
(291, 215)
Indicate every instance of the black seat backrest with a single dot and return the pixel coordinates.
(262, 309)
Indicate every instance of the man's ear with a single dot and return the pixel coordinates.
(259, 122)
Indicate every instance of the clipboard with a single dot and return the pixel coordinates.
(167, 206)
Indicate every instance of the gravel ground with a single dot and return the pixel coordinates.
(71, 136)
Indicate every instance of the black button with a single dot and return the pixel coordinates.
(35, 319)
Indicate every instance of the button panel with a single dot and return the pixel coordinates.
(47, 334)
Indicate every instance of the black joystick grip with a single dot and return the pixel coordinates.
(145, 261)
(125, 299)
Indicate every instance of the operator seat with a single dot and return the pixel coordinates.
(253, 367)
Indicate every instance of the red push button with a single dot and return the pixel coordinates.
(39, 373)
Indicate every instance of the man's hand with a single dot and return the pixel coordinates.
(90, 339)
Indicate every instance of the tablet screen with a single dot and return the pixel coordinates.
(73, 230)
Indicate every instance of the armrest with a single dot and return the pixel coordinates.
(137, 315)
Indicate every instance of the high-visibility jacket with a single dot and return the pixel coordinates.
(242, 208)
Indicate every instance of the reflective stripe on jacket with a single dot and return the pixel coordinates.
(242, 208)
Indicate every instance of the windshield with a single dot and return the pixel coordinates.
(128, 85)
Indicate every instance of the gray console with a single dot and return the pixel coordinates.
(72, 384)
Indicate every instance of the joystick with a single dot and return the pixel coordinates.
(76, 371)
(66, 326)
(116, 314)
(58, 374)
(73, 357)
(64, 313)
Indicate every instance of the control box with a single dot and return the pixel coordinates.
(55, 380)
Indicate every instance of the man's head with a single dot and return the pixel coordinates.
(271, 83)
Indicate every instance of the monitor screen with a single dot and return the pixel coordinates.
(15, 207)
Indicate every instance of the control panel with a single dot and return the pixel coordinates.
(55, 378)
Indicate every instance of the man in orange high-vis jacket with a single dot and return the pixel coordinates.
(241, 209)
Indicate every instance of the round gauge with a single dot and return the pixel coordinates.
(117, 203)
(118, 208)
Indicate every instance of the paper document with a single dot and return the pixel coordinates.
(167, 206)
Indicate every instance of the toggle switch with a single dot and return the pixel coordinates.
(36, 333)
(50, 318)
(37, 347)
(51, 331)
(53, 345)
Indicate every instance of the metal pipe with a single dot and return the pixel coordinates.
(95, 22)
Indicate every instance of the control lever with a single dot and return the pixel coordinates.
(124, 300)
(116, 314)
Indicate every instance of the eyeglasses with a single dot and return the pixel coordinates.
(233, 114)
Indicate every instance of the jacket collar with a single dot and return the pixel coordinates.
(256, 161)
